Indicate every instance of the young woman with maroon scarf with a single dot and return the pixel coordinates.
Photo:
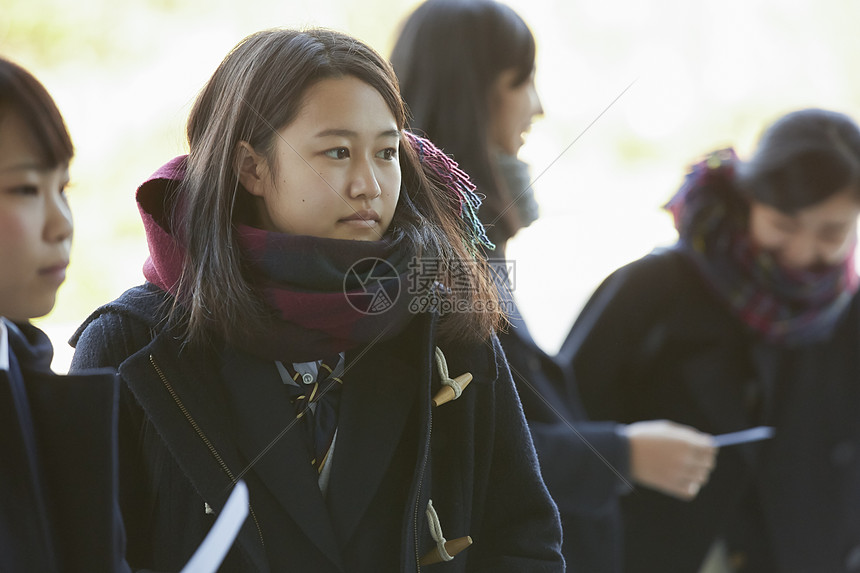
(290, 335)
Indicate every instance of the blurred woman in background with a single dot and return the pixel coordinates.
(751, 318)
(467, 71)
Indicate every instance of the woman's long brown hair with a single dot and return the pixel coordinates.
(256, 91)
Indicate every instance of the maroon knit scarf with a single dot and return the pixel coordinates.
(329, 295)
(784, 306)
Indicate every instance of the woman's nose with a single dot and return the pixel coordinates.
(536, 106)
(363, 181)
(58, 218)
(800, 253)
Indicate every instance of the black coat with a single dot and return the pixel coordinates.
(655, 342)
(58, 446)
(585, 464)
(182, 450)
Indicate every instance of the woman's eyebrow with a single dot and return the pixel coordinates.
(836, 225)
(24, 166)
(351, 133)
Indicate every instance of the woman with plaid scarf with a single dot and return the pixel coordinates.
(751, 319)
(295, 332)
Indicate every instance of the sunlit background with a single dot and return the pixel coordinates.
(698, 76)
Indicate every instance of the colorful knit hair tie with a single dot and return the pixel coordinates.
(445, 172)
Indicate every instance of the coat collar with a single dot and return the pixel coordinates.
(31, 346)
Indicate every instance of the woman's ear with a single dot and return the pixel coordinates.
(251, 167)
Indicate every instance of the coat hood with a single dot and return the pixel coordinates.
(164, 264)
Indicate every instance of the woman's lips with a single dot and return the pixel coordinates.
(367, 217)
(55, 273)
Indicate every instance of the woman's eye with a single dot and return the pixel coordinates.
(388, 153)
(338, 153)
(835, 236)
(25, 190)
(784, 225)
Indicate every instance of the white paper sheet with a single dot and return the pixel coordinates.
(744, 436)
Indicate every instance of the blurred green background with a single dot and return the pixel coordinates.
(704, 75)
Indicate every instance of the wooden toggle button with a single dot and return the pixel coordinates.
(453, 547)
(446, 393)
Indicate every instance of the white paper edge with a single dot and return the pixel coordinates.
(212, 551)
(745, 436)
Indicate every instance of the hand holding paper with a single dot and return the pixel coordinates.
(671, 458)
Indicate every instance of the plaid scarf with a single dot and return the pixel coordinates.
(784, 306)
(327, 295)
